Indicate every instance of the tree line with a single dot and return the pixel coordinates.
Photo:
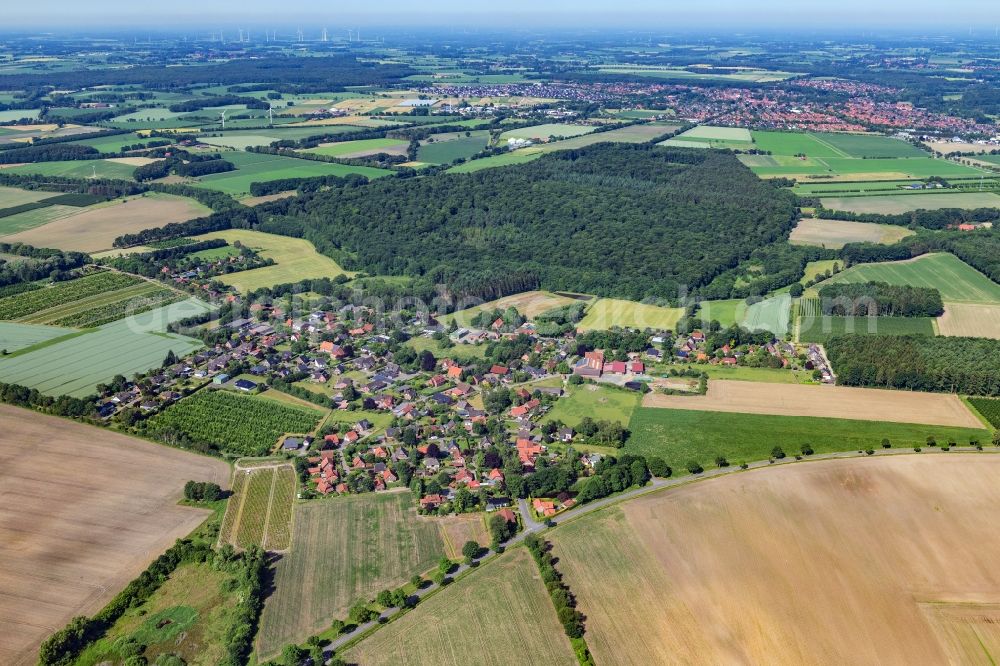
(880, 299)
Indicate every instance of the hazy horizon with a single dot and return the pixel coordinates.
(822, 15)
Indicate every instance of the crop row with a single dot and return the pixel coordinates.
(20, 305)
(233, 508)
(110, 312)
(279, 522)
(251, 529)
(989, 408)
(235, 424)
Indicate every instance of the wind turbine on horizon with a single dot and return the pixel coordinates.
(223, 114)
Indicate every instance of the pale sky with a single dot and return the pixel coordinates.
(808, 15)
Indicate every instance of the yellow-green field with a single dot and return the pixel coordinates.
(608, 312)
(834, 234)
(294, 259)
(528, 303)
(497, 615)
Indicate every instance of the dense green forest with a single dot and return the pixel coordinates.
(627, 221)
(880, 299)
(918, 363)
(285, 73)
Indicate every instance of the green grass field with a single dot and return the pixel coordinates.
(727, 312)
(890, 204)
(772, 314)
(447, 148)
(544, 131)
(362, 145)
(868, 145)
(344, 549)
(607, 312)
(681, 435)
(295, 259)
(458, 352)
(262, 167)
(463, 619)
(630, 134)
(77, 169)
(601, 403)
(111, 144)
(710, 133)
(15, 337)
(793, 143)
(957, 281)
(243, 139)
(13, 196)
(76, 365)
(820, 329)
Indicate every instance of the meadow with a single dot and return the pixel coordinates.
(76, 365)
(70, 557)
(903, 203)
(446, 148)
(847, 168)
(528, 303)
(344, 549)
(834, 234)
(823, 401)
(76, 169)
(605, 313)
(738, 569)
(259, 512)
(243, 139)
(111, 144)
(957, 281)
(235, 424)
(601, 403)
(190, 616)
(295, 259)
(679, 435)
(458, 352)
(544, 131)
(361, 147)
(462, 620)
(771, 314)
(263, 167)
(710, 133)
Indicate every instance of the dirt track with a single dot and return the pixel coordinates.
(860, 561)
(843, 402)
(82, 512)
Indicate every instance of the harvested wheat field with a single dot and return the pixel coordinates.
(970, 320)
(95, 228)
(838, 402)
(858, 561)
(69, 543)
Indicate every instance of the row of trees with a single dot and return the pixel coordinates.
(880, 299)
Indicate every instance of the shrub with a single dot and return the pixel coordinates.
(694, 468)
(777, 453)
